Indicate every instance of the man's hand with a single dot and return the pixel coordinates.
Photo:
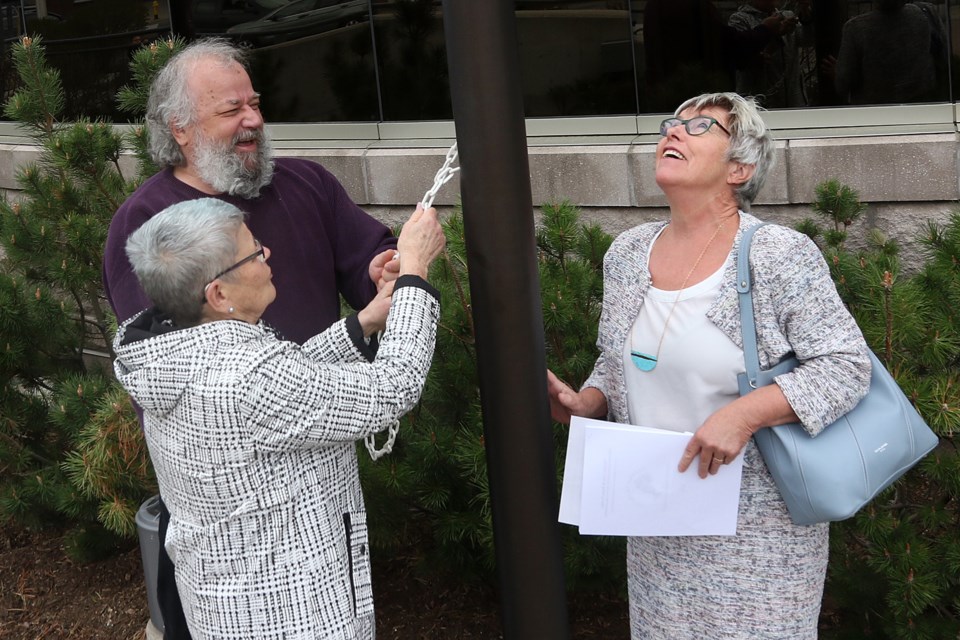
(384, 269)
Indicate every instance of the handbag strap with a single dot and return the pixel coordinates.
(748, 329)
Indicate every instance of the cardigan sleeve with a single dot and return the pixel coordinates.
(604, 374)
(798, 300)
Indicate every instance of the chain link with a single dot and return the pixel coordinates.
(371, 443)
(443, 177)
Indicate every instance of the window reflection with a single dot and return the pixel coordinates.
(892, 52)
(412, 60)
(300, 19)
(217, 16)
(373, 60)
(89, 42)
(793, 53)
(576, 57)
(311, 59)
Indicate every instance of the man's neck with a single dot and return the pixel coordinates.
(187, 176)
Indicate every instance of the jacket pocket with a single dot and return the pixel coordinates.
(358, 550)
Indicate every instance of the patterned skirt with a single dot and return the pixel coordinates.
(764, 583)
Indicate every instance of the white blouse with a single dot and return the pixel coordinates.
(697, 364)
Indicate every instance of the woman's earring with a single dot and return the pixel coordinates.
(230, 310)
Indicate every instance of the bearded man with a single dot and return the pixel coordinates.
(206, 131)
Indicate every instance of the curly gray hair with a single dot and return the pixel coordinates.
(178, 251)
(170, 103)
(750, 140)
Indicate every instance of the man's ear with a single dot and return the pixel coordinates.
(740, 173)
(180, 134)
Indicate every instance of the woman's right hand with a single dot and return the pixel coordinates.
(420, 242)
(565, 402)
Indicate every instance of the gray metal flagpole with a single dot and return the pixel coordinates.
(484, 68)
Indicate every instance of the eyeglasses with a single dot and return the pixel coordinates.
(253, 256)
(696, 126)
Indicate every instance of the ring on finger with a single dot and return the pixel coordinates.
(719, 460)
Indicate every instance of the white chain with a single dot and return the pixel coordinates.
(371, 443)
(443, 177)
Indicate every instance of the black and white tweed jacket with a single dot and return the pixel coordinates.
(796, 308)
(254, 444)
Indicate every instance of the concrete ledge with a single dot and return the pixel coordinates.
(915, 168)
(776, 188)
(882, 169)
(906, 179)
(12, 158)
(346, 164)
(587, 175)
(642, 183)
(402, 176)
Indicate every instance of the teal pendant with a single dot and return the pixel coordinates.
(643, 361)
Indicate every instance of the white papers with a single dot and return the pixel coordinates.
(622, 480)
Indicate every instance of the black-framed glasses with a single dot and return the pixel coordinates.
(696, 126)
(236, 265)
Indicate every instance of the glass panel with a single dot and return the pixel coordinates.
(326, 61)
(311, 59)
(576, 57)
(214, 17)
(893, 52)
(953, 49)
(412, 60)
(88, 42)
(792, 53)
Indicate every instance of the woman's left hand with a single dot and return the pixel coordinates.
(723, 435)
(718, 441)
(373, 317)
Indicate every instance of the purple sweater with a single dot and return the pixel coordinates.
(321, 244)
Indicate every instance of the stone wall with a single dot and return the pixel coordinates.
(906, 180)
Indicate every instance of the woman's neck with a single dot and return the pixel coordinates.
(691, 212)
(213, 316)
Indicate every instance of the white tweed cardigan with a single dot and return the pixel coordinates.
(796, 307)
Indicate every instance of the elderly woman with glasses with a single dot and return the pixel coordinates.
(670, 352)
(253, 438)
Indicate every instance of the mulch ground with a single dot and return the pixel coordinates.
(45, 595)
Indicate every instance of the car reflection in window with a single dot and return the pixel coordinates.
(300, 18)
(216, 16)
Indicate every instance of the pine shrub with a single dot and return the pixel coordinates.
(71, 448)
(895, 567)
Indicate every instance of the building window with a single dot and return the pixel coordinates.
(320, 61)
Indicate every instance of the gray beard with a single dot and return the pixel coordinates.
(218, 165)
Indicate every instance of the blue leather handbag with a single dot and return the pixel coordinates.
(831, 476)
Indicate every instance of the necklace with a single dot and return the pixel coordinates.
(645, 361)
